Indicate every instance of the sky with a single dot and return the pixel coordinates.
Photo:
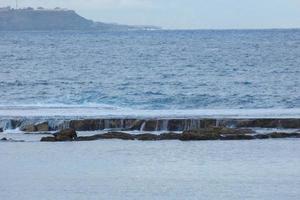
(182, 14)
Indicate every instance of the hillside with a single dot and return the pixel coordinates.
(30, 19)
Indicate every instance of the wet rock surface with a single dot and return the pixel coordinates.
(237, 137)
(284, 135)
(42, 127)
(145, 125)
(169, 136)
(147, 137)
(86, 124)
(38, 127)
(48, 139)
(269, 123)
(214, 133)
(29, 128)
(111, 135)
(118, 135)
(61, 136)
(37, 133)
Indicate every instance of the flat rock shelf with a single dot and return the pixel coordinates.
(149, 129)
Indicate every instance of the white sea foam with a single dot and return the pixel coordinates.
(111, 112)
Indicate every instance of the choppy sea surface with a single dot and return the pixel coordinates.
(150, 73)
(151, 70)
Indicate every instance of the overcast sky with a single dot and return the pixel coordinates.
(183, 14)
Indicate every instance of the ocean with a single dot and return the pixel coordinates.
(151, 70)
(158, 80)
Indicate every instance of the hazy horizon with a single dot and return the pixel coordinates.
(175, 14)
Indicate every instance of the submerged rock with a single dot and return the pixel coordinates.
(1, 130)
(4, 139)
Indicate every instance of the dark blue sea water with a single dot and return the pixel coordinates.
(152, 69)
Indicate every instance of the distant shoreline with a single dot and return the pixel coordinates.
(41, 19)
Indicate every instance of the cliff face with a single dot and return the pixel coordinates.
(42, 20)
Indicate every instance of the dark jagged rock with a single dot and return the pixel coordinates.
(147, 137)
(48, 139)
(63, 135)
(4, 139)
(169, 136)
(187, 136)
(1, 130)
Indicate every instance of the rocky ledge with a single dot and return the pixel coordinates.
(144, 125)
(215, 133)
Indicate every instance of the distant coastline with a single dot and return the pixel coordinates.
(54, 19)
